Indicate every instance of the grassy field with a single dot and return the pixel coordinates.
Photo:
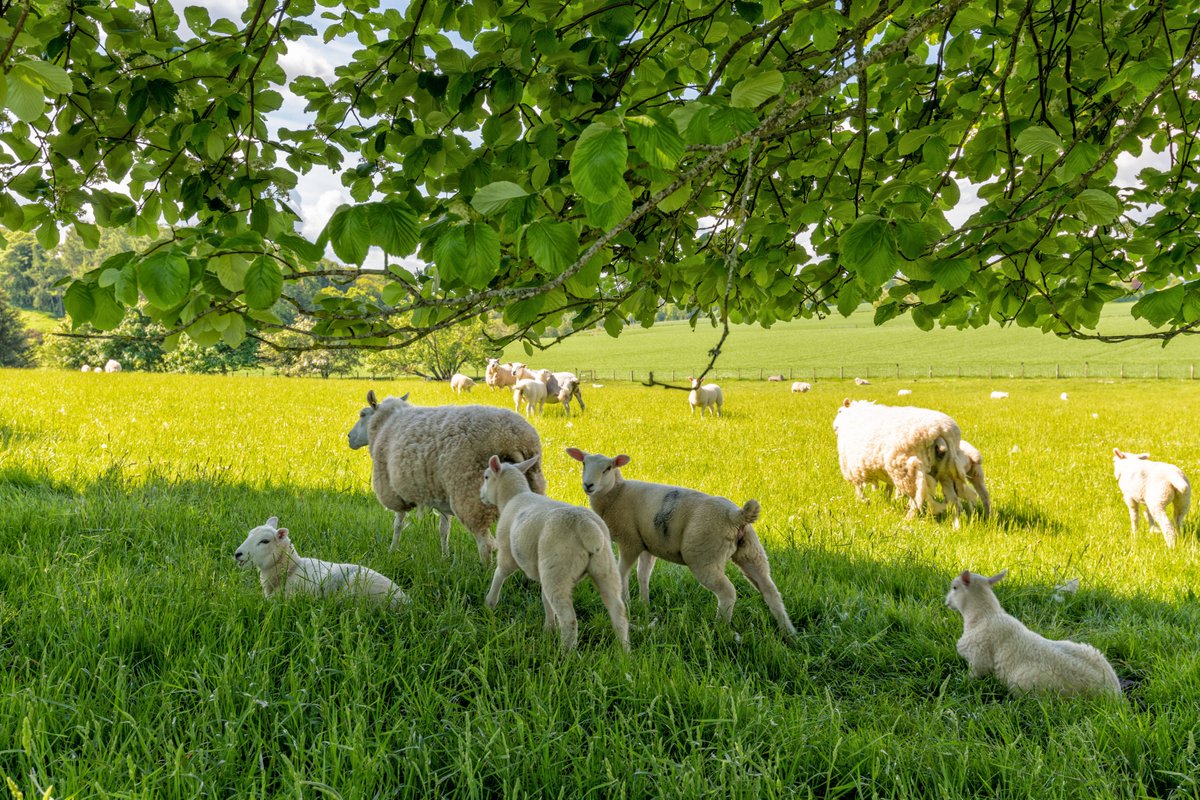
(853, 346)
(138, 661)
(38, 320)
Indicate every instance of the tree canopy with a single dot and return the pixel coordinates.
(592, 160)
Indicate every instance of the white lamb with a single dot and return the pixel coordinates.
(999, 395)
(971, 466)
(708, 396)
(522, 371)
(112, 365)
(901, 445)
(497, 375)
(433, 456)
(903, 392)
(861, 382)
(553, 543)
(800, 387)
(775, 379)
(562, 387)
(994, 642)
(85, 368)
(1155, 485)
(683, 526)
(281, 569)
(460, 383)
(532, 392)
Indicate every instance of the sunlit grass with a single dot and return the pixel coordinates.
(139, 661)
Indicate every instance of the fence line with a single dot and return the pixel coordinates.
(1085, 370)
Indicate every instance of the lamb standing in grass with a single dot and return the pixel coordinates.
(434, 456)
(532, 392)
(553, 543)
(562, 387)
(708, 397)
(801, 387)
(497, 375)
(995, 642)
(460, 383)
(281, 569)
(684, 526)
(1155, 485)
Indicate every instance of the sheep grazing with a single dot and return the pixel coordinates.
(775, 379)
(1063, 396)
(433, 457)
(994, 642)
(971, 466)
(553, 543)
(112, 365)
(497, 375)
(460, 383)
(800, 387)
(85, 368)
(708, 396)
(562, 387)
(903, 392)
(683, 526)
(861, 382)
(904, 446)
(999, 395)
(1155, 485)
(281, 569)
(532, 392)
(522, 372)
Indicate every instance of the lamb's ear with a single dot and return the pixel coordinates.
(1142, 456)
(999, 576)
(576, 453)
(494, 464)
(1117, 453)
(405, 397)
(846, 403)
(965, 577)
(371, 401)
(281, 533)
(273, 522)
(529, 463)
(620, 460)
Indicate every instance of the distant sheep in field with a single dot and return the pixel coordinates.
(1062, 396)
(1154, 485)
(861, 382)
(684, 526)
(775, 378)
(85, 368)
(435, 457)
(999, 395)
(460, 383)
(597, 385)
(112, 365)
(282, 570)
(532, 392)
(903, 392)
(903, 446)
(562, 387)
(708, 396)
(497, 375)
(995, 642)
(553, 543)
(800, 387)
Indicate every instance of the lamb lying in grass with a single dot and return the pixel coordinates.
(553, 543)
(1155, 485)
(684, 526)
(995, 642)
(281, 569)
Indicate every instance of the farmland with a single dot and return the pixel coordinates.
(139, 661)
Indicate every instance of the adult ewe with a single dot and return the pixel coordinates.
(562, 387)
(800, 387)
(460, 383)
(994, 641)
(684, 526)
(1155, 485)
(435, 457)
(497, 375)
(903, 446)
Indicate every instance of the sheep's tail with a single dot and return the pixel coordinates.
(747, 514)
(1180, 484)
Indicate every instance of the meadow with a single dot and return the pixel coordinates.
(139, 661)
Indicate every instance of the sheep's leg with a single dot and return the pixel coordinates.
(752, 561)
(444, 531)
(505, 566)
(952, 501)
(548, 622)
(1181, 503)
(604, 575)
(645, 567)
(1164, 523)
(628, 558)
(1133, 517)
(712, 577)
(397, 529)
(564, 610)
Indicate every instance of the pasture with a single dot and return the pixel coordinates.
(138, 660)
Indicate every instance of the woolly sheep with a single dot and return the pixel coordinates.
(1062, 396)
(85, 368)
(994, 642)
(999, 395)
(708, 396)
(561, 387)
(281, 569)
(532, 392)
(801, 387)
(112, 365)
(901, 445)
(434, 457)
(1155, 485)
(497, 375)
(460, 383)
(683, 526)
(903, 392)
(861, 382)
(775, 378)
(971, 466)
(553, 543)
(522, 371)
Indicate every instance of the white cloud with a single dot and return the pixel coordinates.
(303, 58)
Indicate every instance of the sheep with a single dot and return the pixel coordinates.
(433, 457)
(903, 392)
(999, 395)
(112, 365)
(85, 368)
(497, 375)
(561, 387)
(971, 466)
(800, 387)
(901, 445)
(522, 371)
(861, 382)
(460, 383)
(281, 569)
(683, 526)
(1155, 485)
(775, 379)
(532, 392)
(1063, 397)
(553, 543)
(708, 396)
(994, 642)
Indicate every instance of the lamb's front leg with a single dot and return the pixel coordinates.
(397, 529)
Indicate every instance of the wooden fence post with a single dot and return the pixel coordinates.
(1056, 375)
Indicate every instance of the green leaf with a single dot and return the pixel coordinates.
(869, 249)
(165, 279)
(495, 196)
(598, 163)
(108, 313)
(608, 214)
(53, 78)
(1159, 308)
(235, 333)
(1098, 206)
(349, 233)
(1037, 140)
(230, 270)
(263, 283)
(469, 253)
(78, 303)
(757, 89)
(393, 227)
(657, 141)
(88, 233)
(554, 246)
(26, 98)
(951, 274)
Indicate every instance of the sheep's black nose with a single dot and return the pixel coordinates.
(587, 487)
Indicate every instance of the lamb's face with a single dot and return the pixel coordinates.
(489, 487)
(600, 472)
(260, 544)
(957, 594)
(359, 433)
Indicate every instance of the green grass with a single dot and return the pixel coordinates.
(39, 321)
(138, 661)
(852, 346)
